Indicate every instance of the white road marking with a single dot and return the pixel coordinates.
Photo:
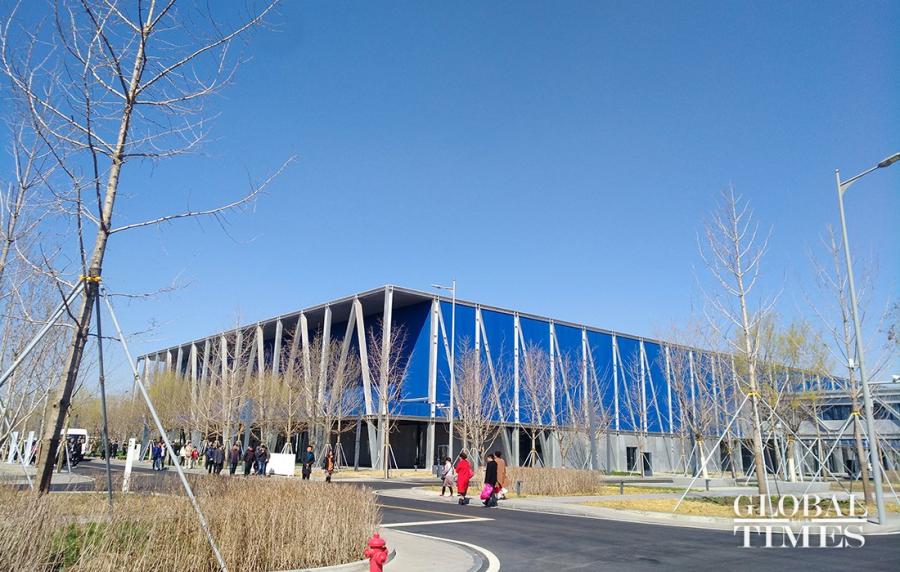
(427, 522)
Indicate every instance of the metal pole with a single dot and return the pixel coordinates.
(103, 404)
(452, 364)
(159, 425)
(867, 396)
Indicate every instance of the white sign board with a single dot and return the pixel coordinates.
(281, 464)
(129, 460)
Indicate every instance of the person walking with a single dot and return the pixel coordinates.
(262, 459)
(328, 465)
(195, 457)
(449, 477)
(489, 492)
(209, 456)
(501, 475)
(219, 458)
(463, 476)
(308, 461)
(249, 460)
(188, 452)
(234, 458)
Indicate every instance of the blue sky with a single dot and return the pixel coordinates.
(556, 158)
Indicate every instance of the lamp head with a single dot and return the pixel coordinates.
(889, 161)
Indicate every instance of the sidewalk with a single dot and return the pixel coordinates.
(415, 552)
(14, 474)
(571, 506)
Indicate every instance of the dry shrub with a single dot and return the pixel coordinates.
(554, 482)
(270, 524)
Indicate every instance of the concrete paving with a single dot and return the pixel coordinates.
(415, 552)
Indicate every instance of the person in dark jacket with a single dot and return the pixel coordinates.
(308, 461)
(210, 456)
(234, 458)
(249, 460)
(490, 478)
(219, 458)
(262, 459)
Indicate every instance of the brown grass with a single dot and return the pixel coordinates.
(260, 525)
(714, 506)
(569, 482)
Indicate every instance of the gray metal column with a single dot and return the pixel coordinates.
(432, 382)
(516, 416)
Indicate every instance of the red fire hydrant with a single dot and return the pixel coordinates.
(377, 553)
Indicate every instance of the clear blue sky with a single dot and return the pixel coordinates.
(553, 157)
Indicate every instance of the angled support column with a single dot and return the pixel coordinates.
(307, 366)
(324, 360)
(276, 350)
(383, 382)
(367, 380)
(501, 414)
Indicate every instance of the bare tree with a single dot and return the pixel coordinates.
(732, 251)
(535, 388)
(835, 316)
(633, 400)
(105, 85)
(388, 368)
(479, 388)
(341, 396)
(573, 410)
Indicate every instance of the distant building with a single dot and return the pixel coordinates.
(628, 377)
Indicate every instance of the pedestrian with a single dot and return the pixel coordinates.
(463, 475)
(195, 457)
(249, 460)
(156, 454)
(489, 492)
(219, 458)
(183, 455)
(209, 457)
(188, 455)
(501, 475)
(234, 458)
(308, 461)
(328, 465)
(262, 459)
(448, 476)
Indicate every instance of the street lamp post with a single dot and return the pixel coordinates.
(452, 289)
(874, 454)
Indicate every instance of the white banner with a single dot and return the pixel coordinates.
(281, 464)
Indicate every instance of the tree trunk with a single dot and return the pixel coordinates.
(63, 395)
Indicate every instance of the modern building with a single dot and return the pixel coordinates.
(629, 378)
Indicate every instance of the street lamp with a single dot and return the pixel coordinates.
(867, 397)
(452, 289)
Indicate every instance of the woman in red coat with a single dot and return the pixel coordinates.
(463, 474)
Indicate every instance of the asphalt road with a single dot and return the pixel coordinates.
(530, 542)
